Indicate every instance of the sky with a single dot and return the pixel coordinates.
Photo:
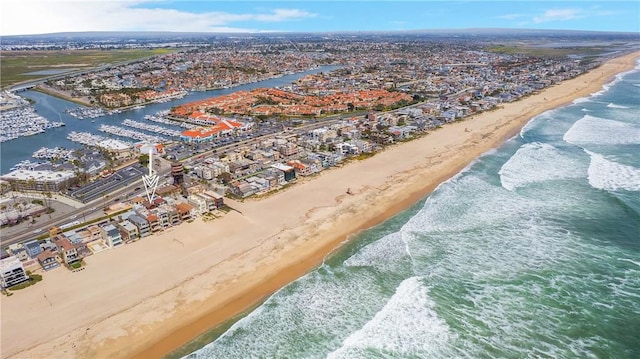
(22, 17)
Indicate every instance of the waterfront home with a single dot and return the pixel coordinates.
(11, 272)
(172, 212)
(199, 203)
(213, 198)
(258, 183)
(242, 189)
(185, 211)
(66, 249)
(154, 222)
(33, 248)
(163, 216)
(47, 260)
(128, 231)
(111, 235)
(288, 171)
(143, 226)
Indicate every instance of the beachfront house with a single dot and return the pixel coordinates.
(128, 231)
(214, 199)
(163, 216)
(186, 211)
(288, 171)
(174, 217)
(47, 260)
(154, 222)
(199, 203)
(68, 252)
(143, 226)
(12, 272)
(111, 235)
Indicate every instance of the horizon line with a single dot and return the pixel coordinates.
(275, 32)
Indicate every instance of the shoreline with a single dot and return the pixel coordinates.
(258, 252)
(55, 93)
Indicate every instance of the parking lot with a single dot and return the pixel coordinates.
(105, 186)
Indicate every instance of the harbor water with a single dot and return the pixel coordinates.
(532, 251)
(56, 109)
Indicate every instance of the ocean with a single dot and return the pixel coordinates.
(533, 250)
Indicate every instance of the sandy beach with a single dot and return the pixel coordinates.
(148, 298)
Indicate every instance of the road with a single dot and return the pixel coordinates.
(118, 194)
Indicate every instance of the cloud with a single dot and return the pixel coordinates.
(46, 16)
(559, 15)
(512, 16)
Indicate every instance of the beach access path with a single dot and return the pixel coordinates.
(148, 298)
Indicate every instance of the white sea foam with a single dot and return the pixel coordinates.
(407, 326)
(612, 176)
(384, 254)
(581, 100)
(321, 304)
(538, 162)
(462, 206)
(600, 131)
(613, 105)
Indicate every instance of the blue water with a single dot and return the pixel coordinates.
(54, 109)
(532, 251)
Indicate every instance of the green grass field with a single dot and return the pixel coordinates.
(15, 64)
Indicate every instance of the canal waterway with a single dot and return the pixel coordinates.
(55, 109)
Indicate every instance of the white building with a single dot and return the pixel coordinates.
(11, 272)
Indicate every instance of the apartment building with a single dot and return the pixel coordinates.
(12, 272)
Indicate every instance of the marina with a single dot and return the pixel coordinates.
(25, 165)
(151, 128)
(82, 113)
(89, 139)
(123, 132)
(22, 122)
(21, 148)
(160, 117)
(56, 153)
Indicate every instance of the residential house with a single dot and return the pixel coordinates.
(19, 251)
(216, 198)
(111, 235)
(172, 214)
(288, 171)
(242, 189)
(199, 203)
(163, 216)
(128, 231)
(143, 226)
(66, 249)
(33, 248)
(154, 223)
(185, 211)
(47, 260)
(12, 272)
